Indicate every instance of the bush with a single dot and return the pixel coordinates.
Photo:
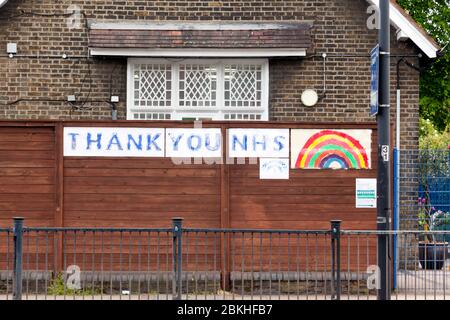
(431, 138)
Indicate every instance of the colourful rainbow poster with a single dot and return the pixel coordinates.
(330, 149)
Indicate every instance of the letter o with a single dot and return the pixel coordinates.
(199, 142)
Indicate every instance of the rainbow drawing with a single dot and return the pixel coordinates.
(331, 149)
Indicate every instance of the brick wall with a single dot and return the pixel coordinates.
(339, 30)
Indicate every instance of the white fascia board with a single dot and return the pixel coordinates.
(200, 52)
(211, 26)
(399, 21)
(3, 2)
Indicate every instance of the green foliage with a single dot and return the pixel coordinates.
(431, 138)
(57, 287)
(434, 17)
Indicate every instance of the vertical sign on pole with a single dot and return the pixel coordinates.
(374, 71)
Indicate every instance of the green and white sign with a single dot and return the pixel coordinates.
(366, 193)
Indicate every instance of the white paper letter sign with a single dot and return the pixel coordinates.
(194, 142)
(113, 142)
(258, 143)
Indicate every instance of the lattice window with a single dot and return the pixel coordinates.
(243, 85)
(152, 85)
(197, 85)
(151, 116)
(230, 89)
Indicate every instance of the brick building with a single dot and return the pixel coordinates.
(231, 60)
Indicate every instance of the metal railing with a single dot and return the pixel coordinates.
(225, 264)
(421, 174)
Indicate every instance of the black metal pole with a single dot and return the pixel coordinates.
(384, 179)
(177, 255)
(336, 258)
(18, 240)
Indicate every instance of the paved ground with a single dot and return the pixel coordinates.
(411, 285)
(395, 296)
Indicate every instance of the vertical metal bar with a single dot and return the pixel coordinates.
(196, 265)
(252, 257)
(307, 265)
(280, 257)
(357, 264)
(130, 253)
(288, 265)
(396, 203)
(333, 266)
(17, 271)
(270, 265)
(242, 266)
(36, 281)
(139, 265)
(120, 264)
(206, 263)
(297, 258)
(93, 264)
(177, 257)
(349, 263)
(233, 254)
(260, 265)
(46, 265)
(101, 265)
(74, 256)
(186, 237)
(83, 263)
(336, 234)
(8, 263)
(215, 264)
(325, 265)
(27, 267)
(64, 252)
(111, 265)
(316, 261)
(148, 263)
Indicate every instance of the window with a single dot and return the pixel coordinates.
(235, 89)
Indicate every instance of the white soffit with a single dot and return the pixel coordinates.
(200, 52)
(399, 21)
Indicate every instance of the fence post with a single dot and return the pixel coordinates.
(177, 254)
(336, 259)
(17, 276)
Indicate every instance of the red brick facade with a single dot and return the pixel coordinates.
(35, 83)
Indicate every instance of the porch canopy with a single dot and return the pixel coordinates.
(199, 39)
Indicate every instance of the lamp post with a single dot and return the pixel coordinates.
(384, 176)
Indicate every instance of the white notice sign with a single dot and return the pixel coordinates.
(366, 193)
(273, 168)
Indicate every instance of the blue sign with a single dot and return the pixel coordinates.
(374, 70)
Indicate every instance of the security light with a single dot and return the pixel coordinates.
(310, 98)
(11, 48)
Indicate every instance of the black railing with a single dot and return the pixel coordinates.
(188, 263)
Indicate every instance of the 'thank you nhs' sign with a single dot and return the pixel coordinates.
(174, 142)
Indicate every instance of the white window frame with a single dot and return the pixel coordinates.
(214, 113)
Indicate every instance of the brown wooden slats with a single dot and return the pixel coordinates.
(27, 175)
(148, 192)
